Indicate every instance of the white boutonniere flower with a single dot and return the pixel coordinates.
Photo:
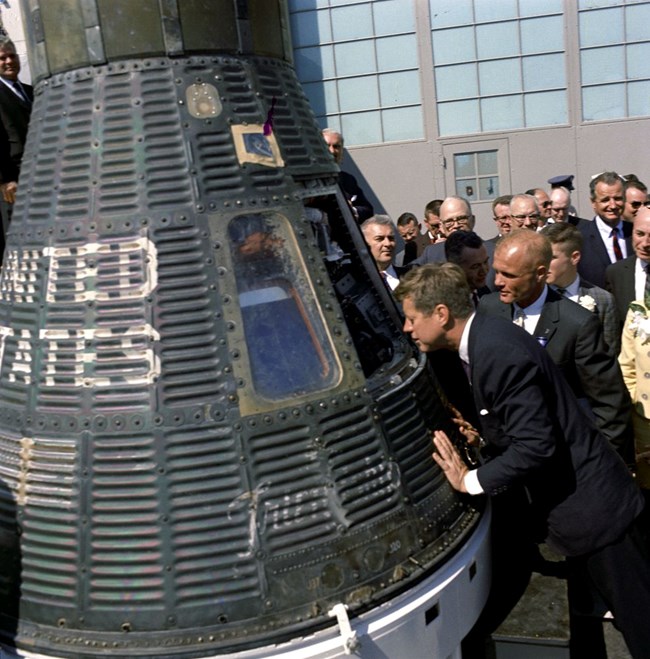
(640, 323)
(587, 302)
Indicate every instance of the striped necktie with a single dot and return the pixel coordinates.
(615, 244)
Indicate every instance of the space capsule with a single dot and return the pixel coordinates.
(214, 437)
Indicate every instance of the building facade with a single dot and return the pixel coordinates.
(478, 97)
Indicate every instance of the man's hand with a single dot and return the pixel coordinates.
(9, 191)
(470, 433)
(449, 460)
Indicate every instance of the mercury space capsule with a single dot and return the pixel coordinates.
(214, 437)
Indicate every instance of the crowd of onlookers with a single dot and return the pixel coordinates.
(542, 250)
(581, 288)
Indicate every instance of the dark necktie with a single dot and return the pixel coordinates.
(646, 295)
(617, 248)
(561, 291)
(475, 298)
(20, 92)
(468, 371)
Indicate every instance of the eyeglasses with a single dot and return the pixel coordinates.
(638, 204)
(532, 216)
(502, 218)
(562, 209)
(546, 204)
(462, 219)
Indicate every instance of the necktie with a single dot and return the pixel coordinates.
(18, 88)
(475, 298)
(519, 318)
(617, 248)
(467, 370)
(646, 295)
(561, 291)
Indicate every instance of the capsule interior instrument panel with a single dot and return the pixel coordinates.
(212, 429)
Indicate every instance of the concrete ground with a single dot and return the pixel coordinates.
(538, 627)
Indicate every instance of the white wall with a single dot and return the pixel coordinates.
(405, 176)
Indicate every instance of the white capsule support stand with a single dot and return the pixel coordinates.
(348, 635)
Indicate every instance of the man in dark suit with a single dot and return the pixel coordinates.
(543, 203)
(15, 110)
(571, 335)
(361, 207)
(561, 207)
(379, 234)
(434, 232)
(455, 214)
(628, 279)
(563, 277)
(467, 250)
(607, 237)
(636, 196)
(501, 217)
(582, 500)
(415, 242)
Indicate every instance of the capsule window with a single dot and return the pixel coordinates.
(289, 349)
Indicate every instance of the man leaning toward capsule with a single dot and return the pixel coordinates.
(541, 452)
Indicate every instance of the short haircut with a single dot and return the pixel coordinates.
(406, 218)
(433, 207)
(565, 235)
(503, 200)
(457, 241)
(635, 184)
(532, 191)
(525, 196)
(434, 284)
(6, 43)
(608, 178)
(383, 220)
(536, 247)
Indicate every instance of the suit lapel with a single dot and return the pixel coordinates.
(627, 234)
(628, 280)
(549, 318)
(597, 245)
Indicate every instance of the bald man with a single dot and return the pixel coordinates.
(571, 335)
(455, 213)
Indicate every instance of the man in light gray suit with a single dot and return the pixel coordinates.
(566, 243)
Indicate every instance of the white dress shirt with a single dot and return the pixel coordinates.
(391, 277)
(606, 234)
(532, 312)
(470, 480)
(640, 277)
(572, 291)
